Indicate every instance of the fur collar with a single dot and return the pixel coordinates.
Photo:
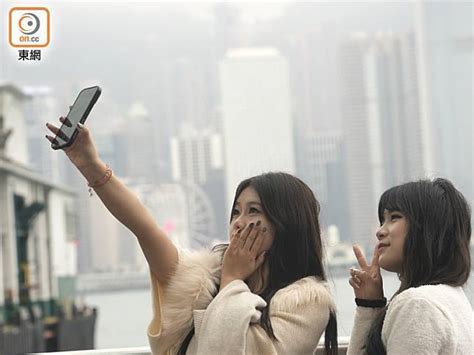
(194, 285)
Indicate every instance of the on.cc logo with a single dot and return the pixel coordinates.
(29, 23)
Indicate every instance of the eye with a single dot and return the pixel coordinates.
(253, 210)
(235, 212)
(395, 216)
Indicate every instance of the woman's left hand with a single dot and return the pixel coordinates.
(242, 257)
(367, 281)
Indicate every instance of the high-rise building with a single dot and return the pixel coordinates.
(395, 103)
(322, 149)
(324, 173)
(381, 122)
(257, 120)
(312, 57)
(445, 56)
(140, 149)
(197, 163)
(43, 107)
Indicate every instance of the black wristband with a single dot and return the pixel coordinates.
(371, 303)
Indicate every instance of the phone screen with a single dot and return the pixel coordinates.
(78, 112)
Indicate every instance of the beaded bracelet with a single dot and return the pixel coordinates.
(371, 303)
(102, 181)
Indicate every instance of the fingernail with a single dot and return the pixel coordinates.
(80, 125)
(47, 124)
(251, 225)
(264, 229)
(258, 223)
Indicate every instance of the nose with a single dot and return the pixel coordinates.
(381, 232)
(238, 223)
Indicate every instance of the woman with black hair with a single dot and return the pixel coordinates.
(263, 293)
(424, 236)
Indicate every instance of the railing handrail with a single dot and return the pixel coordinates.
(144, 350)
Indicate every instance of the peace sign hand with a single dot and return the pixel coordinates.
(366, 281)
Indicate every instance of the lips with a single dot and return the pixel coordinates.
(382, 245)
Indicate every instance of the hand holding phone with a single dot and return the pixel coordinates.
(77, 114)
(74, 138)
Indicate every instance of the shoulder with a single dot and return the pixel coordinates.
(308, 290)
(418, 296)
(434, 302)
(431, 314)
(440, 296)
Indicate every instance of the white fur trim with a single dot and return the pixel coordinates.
(301, 292)
(193, 286)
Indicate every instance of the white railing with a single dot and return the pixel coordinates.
(343, 342)
(118, 351)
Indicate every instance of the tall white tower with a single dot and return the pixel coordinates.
(445, 56)
(257, 123)
(381, 123)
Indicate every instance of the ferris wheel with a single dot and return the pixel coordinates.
(183, 210)
(201, 216)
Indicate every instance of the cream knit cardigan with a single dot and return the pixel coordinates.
(227, 322)
(431, 319)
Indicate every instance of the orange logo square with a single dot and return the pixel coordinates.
(29, 27)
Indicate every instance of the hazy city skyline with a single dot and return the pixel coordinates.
(358, 115)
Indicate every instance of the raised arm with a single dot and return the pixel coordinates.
(160, 252)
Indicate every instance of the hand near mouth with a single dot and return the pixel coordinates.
(367, 281)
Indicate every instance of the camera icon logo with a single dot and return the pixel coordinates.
(29, 27)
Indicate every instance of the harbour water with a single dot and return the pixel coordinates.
(124, 315)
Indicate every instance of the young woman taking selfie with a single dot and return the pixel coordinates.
(263, 293)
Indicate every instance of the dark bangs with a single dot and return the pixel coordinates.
(396, 199)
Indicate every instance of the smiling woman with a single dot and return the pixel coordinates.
(424, 237)
(391, 236)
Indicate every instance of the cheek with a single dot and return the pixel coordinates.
(268, 241)
(392, 258)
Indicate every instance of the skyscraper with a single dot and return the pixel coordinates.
(41, 108)
(197, 163)
(445, 56)
(381, 122)
(323, 171)
(255, 91)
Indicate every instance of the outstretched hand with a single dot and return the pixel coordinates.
(242, 257)
(367, 280)
(82, 152)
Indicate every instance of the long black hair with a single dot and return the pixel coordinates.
(436, 249)
(297, 249)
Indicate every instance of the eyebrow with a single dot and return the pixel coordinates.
(250, 203)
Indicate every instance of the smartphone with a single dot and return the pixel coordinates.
(77, 113)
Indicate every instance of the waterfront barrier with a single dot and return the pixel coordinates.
(343, 343)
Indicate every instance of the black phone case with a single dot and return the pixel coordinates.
(83, 118)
